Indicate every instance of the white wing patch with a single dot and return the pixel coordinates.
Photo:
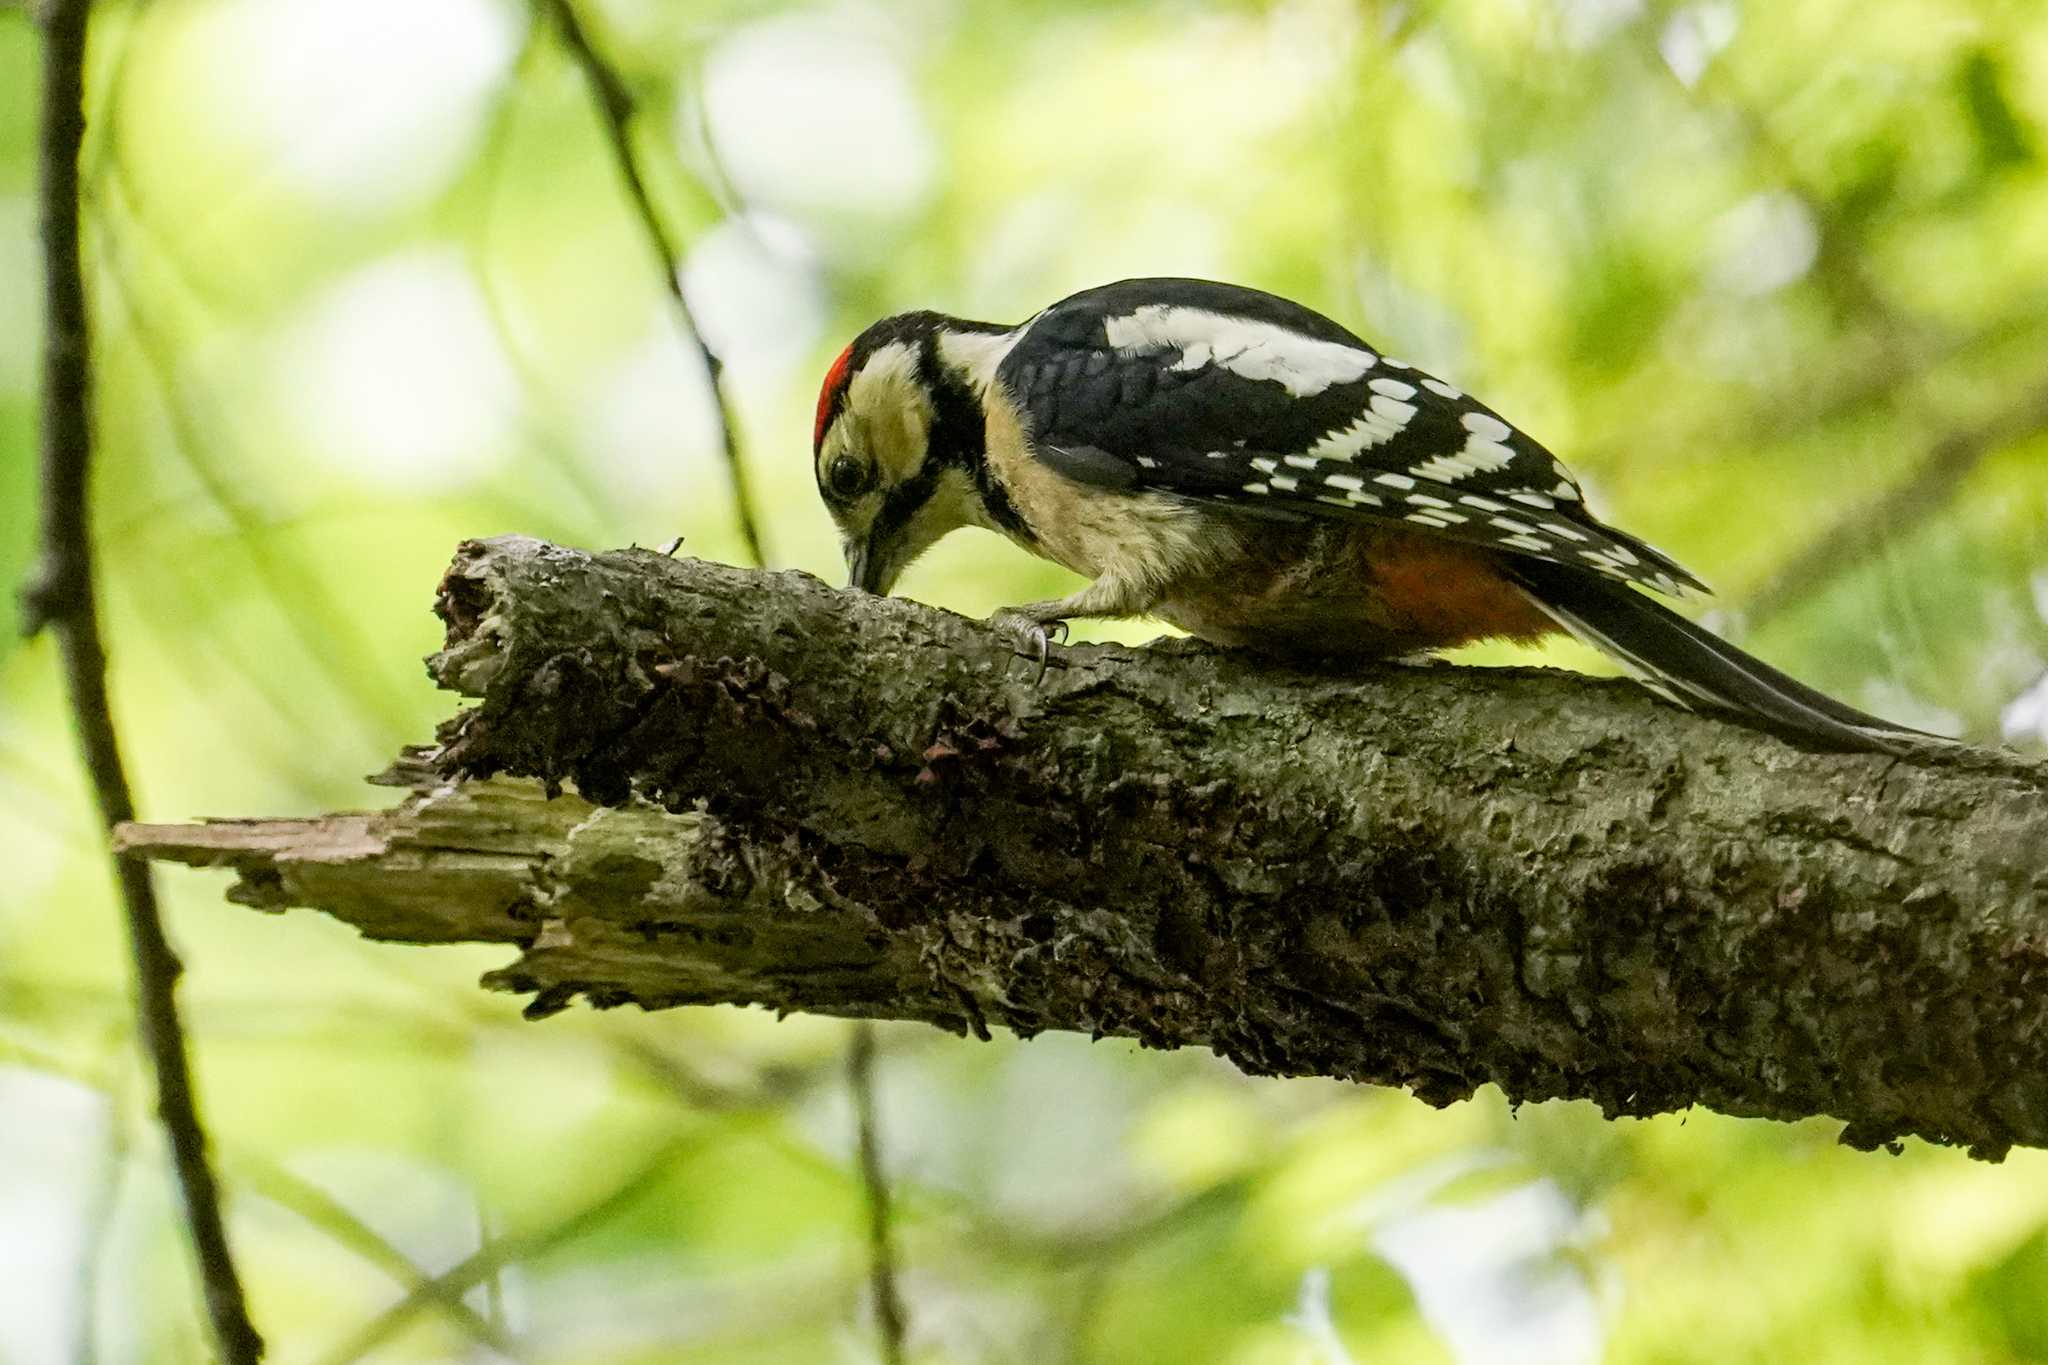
(1393, 410)
(1339, 470)
(1375, 427)
(1477, 457)
(1304, 365)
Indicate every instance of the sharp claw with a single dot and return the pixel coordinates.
(1035, 639)
(1049, 633)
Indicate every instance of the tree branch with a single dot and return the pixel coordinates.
(1896, 512)
(341, 1226)
(61, 597)
(874, 1179)
(451, 1284)
(616, 109)
(1432, 877)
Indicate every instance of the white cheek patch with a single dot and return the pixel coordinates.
(891, 410)
(1304, 366)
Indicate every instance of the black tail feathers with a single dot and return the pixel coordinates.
(1694, 667)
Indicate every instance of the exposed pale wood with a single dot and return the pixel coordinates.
(1428, 877)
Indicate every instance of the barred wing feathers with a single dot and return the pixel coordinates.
(1227, 394)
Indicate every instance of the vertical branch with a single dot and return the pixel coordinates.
(860, 1078)
(616, 109)
(60, 596)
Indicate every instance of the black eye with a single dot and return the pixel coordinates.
(847, 477)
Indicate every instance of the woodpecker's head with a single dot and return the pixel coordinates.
(899, 444)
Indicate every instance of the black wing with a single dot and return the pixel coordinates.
(1217, 392)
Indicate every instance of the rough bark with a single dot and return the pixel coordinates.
(1430, 877)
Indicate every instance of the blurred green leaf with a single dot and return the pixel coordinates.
(2003, 139)
(1544, 201)
(2013, 1292)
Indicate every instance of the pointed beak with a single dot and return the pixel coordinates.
(864, 568)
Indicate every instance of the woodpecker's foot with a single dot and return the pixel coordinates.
(1034, 637)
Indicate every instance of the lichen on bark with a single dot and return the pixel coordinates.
(771, 791)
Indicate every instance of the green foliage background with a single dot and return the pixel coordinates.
(365, 285)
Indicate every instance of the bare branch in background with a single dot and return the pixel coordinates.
(874, 1179)
(62, 598)
(1908, 347)
(1807, 398)
(452, 1284)
(327, 633)
(616, 107)
(1924, 493)
(554, 445)
(1839, 267)
(1429, 877)
(341, 1226)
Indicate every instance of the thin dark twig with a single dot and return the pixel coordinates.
(490, 175)
(616, 107)
(324, 629)
(860, 1079)
(1924, 492)
(474, 1269)
(60, 596)
(1840, 267)
(716, 176)
(287, 1190)
(1907, 348)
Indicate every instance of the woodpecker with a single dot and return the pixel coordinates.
(1250, 471)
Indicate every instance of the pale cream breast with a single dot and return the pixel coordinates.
(1144, 538)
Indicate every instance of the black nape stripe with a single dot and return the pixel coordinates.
(959, 435)
(900, 503)
(1002, 510)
